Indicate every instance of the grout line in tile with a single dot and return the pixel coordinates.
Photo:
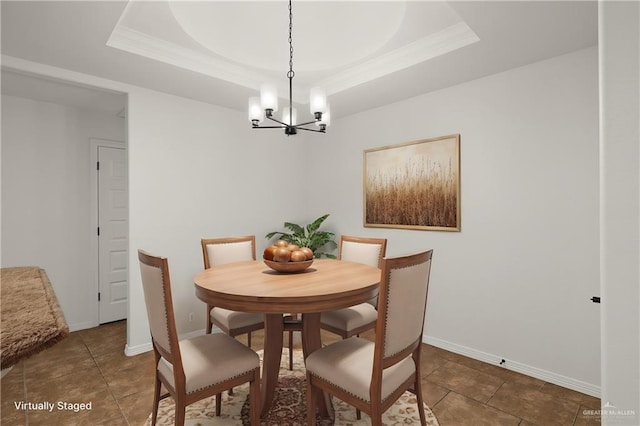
(575, 416)
(443, 397)
(495, 392)
(493, 407)
(510, 414)
(93, 357)
(542, 386)
(24, 391)
(120, 408)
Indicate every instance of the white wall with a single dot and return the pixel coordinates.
(619, 44)
(45, 196)
(199, 171)
(516, 282)
(513, 284)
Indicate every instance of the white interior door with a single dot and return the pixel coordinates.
(113, 236)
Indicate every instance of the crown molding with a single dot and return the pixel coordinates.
(142, 44)
(437, 44)
(50, 71)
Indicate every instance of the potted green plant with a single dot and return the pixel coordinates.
(308, 236)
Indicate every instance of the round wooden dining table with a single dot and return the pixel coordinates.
(253, 287)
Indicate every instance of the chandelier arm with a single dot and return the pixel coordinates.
(311, 130)
(304, 124)
(278, 121)
(267, 127)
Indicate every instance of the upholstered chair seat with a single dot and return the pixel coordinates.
(350, 319)
(348, 364)
(209, 360)
(232, 320)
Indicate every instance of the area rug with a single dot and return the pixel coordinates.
(31, 317)
(289, 407)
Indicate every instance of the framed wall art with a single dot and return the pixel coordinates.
(414, 185)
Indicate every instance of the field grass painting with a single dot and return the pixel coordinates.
(414, 185)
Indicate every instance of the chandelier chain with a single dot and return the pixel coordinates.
(291, 73)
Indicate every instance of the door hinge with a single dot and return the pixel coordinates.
(595, 299)
(98, 296)
(98, 231)
(97, 165)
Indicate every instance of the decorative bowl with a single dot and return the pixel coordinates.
(288, 266)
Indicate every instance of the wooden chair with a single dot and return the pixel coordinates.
(218, 251)
(371, 376)
(356, 319)
(196, 368)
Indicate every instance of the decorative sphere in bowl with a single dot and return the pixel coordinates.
(288, 266)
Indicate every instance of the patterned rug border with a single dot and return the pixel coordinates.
(289, 407)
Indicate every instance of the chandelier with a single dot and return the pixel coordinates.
(267, 104)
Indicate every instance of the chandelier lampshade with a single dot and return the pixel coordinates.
(256, 113)
(269, 97)
(317, 101)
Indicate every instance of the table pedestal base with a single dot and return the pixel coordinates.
(274, 327)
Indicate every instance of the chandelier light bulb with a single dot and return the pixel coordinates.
(269, 97)
(317, 100)
(256, 113)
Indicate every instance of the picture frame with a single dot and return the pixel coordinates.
(413, 185)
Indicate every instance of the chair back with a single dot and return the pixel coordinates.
(157, 296)
(218, 251)
(401, 306)
(369, 251)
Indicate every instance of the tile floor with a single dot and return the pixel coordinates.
(90, 366)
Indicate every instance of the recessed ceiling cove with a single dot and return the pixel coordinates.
(337, 44)
(324, 39)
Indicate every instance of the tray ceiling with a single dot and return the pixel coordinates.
(366, 54)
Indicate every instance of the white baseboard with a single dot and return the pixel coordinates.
(82, 326)
(138, 349)
(146, 347)
(538, 373)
